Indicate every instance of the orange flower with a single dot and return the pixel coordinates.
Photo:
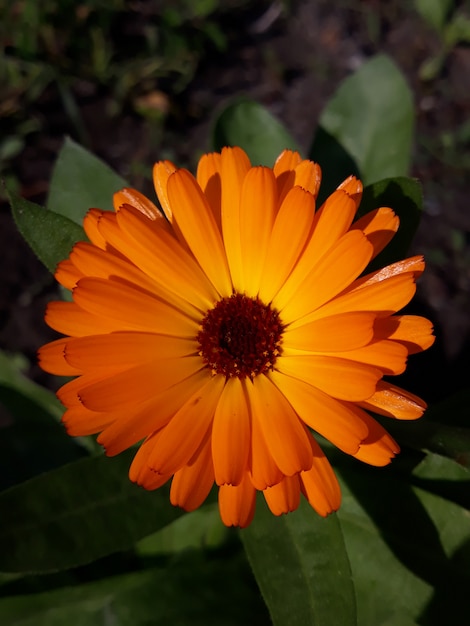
(221, 332)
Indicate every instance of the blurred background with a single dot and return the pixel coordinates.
(137, 81)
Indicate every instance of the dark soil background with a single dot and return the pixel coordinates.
(290, 57)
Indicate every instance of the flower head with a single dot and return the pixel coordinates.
(221, 331)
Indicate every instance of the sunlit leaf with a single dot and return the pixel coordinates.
(249, 125)
(81, 181)
(371, 117)
(302, 568)
(76, 514)
(406, 541)
(51, 236)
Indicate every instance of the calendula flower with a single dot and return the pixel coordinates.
(221, 331)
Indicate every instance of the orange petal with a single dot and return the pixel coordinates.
(132, 308)
(308, 176)
(186, 430)
(413, 331)
(199, 228)
(378, 448)
(353, 187)
(92, 261)
(209, 179)
(414, 265)
(69, 394)
(151, 261)
(332, 220)
(51, 358)
(237, 503)
(91, 226)
(125, 348)
(231, 434)
(379, 227)
(161, 173)
(337, 377)
(384, 298)
(69, 319)
(319, 484)
(258, 205)
(393, 401)
(389, 356)
(263, 470)
(285, 435)
(132, 425)
(192, 483)
(67, 274)
(159, 255)
(289, 234)
(338, 333)
(287, 161)
(137, 200)
(137, 384)
(329, 417)
(285, 496)
(235, 165)
(140, 472)
(81, 422)
(334, 272)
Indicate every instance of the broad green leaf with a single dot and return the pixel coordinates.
(427, 435)
(371, 117)
(80, 181)
(404, 196)
(249, 125)
(77, 514)
(435, 12)
(407, 543)
(12, 376)
(302, 568)
(31, 439)
(51, 236)
(336, 163)
(196, 589)
(198, 529)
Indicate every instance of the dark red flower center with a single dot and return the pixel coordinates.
(241, 337)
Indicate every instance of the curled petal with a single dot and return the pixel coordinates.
(393, 401)
(137, 200)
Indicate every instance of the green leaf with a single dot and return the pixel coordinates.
(12, 376)
(425, 435)
(435, 12)
(198, 529)
(80, 181)
(301, 566)
(404, 196)
(249, 125)
(407, 543)
(31, 440)
(76, 514)
(51, 236)
(371, 117)
(336, 163)
(196, 589)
